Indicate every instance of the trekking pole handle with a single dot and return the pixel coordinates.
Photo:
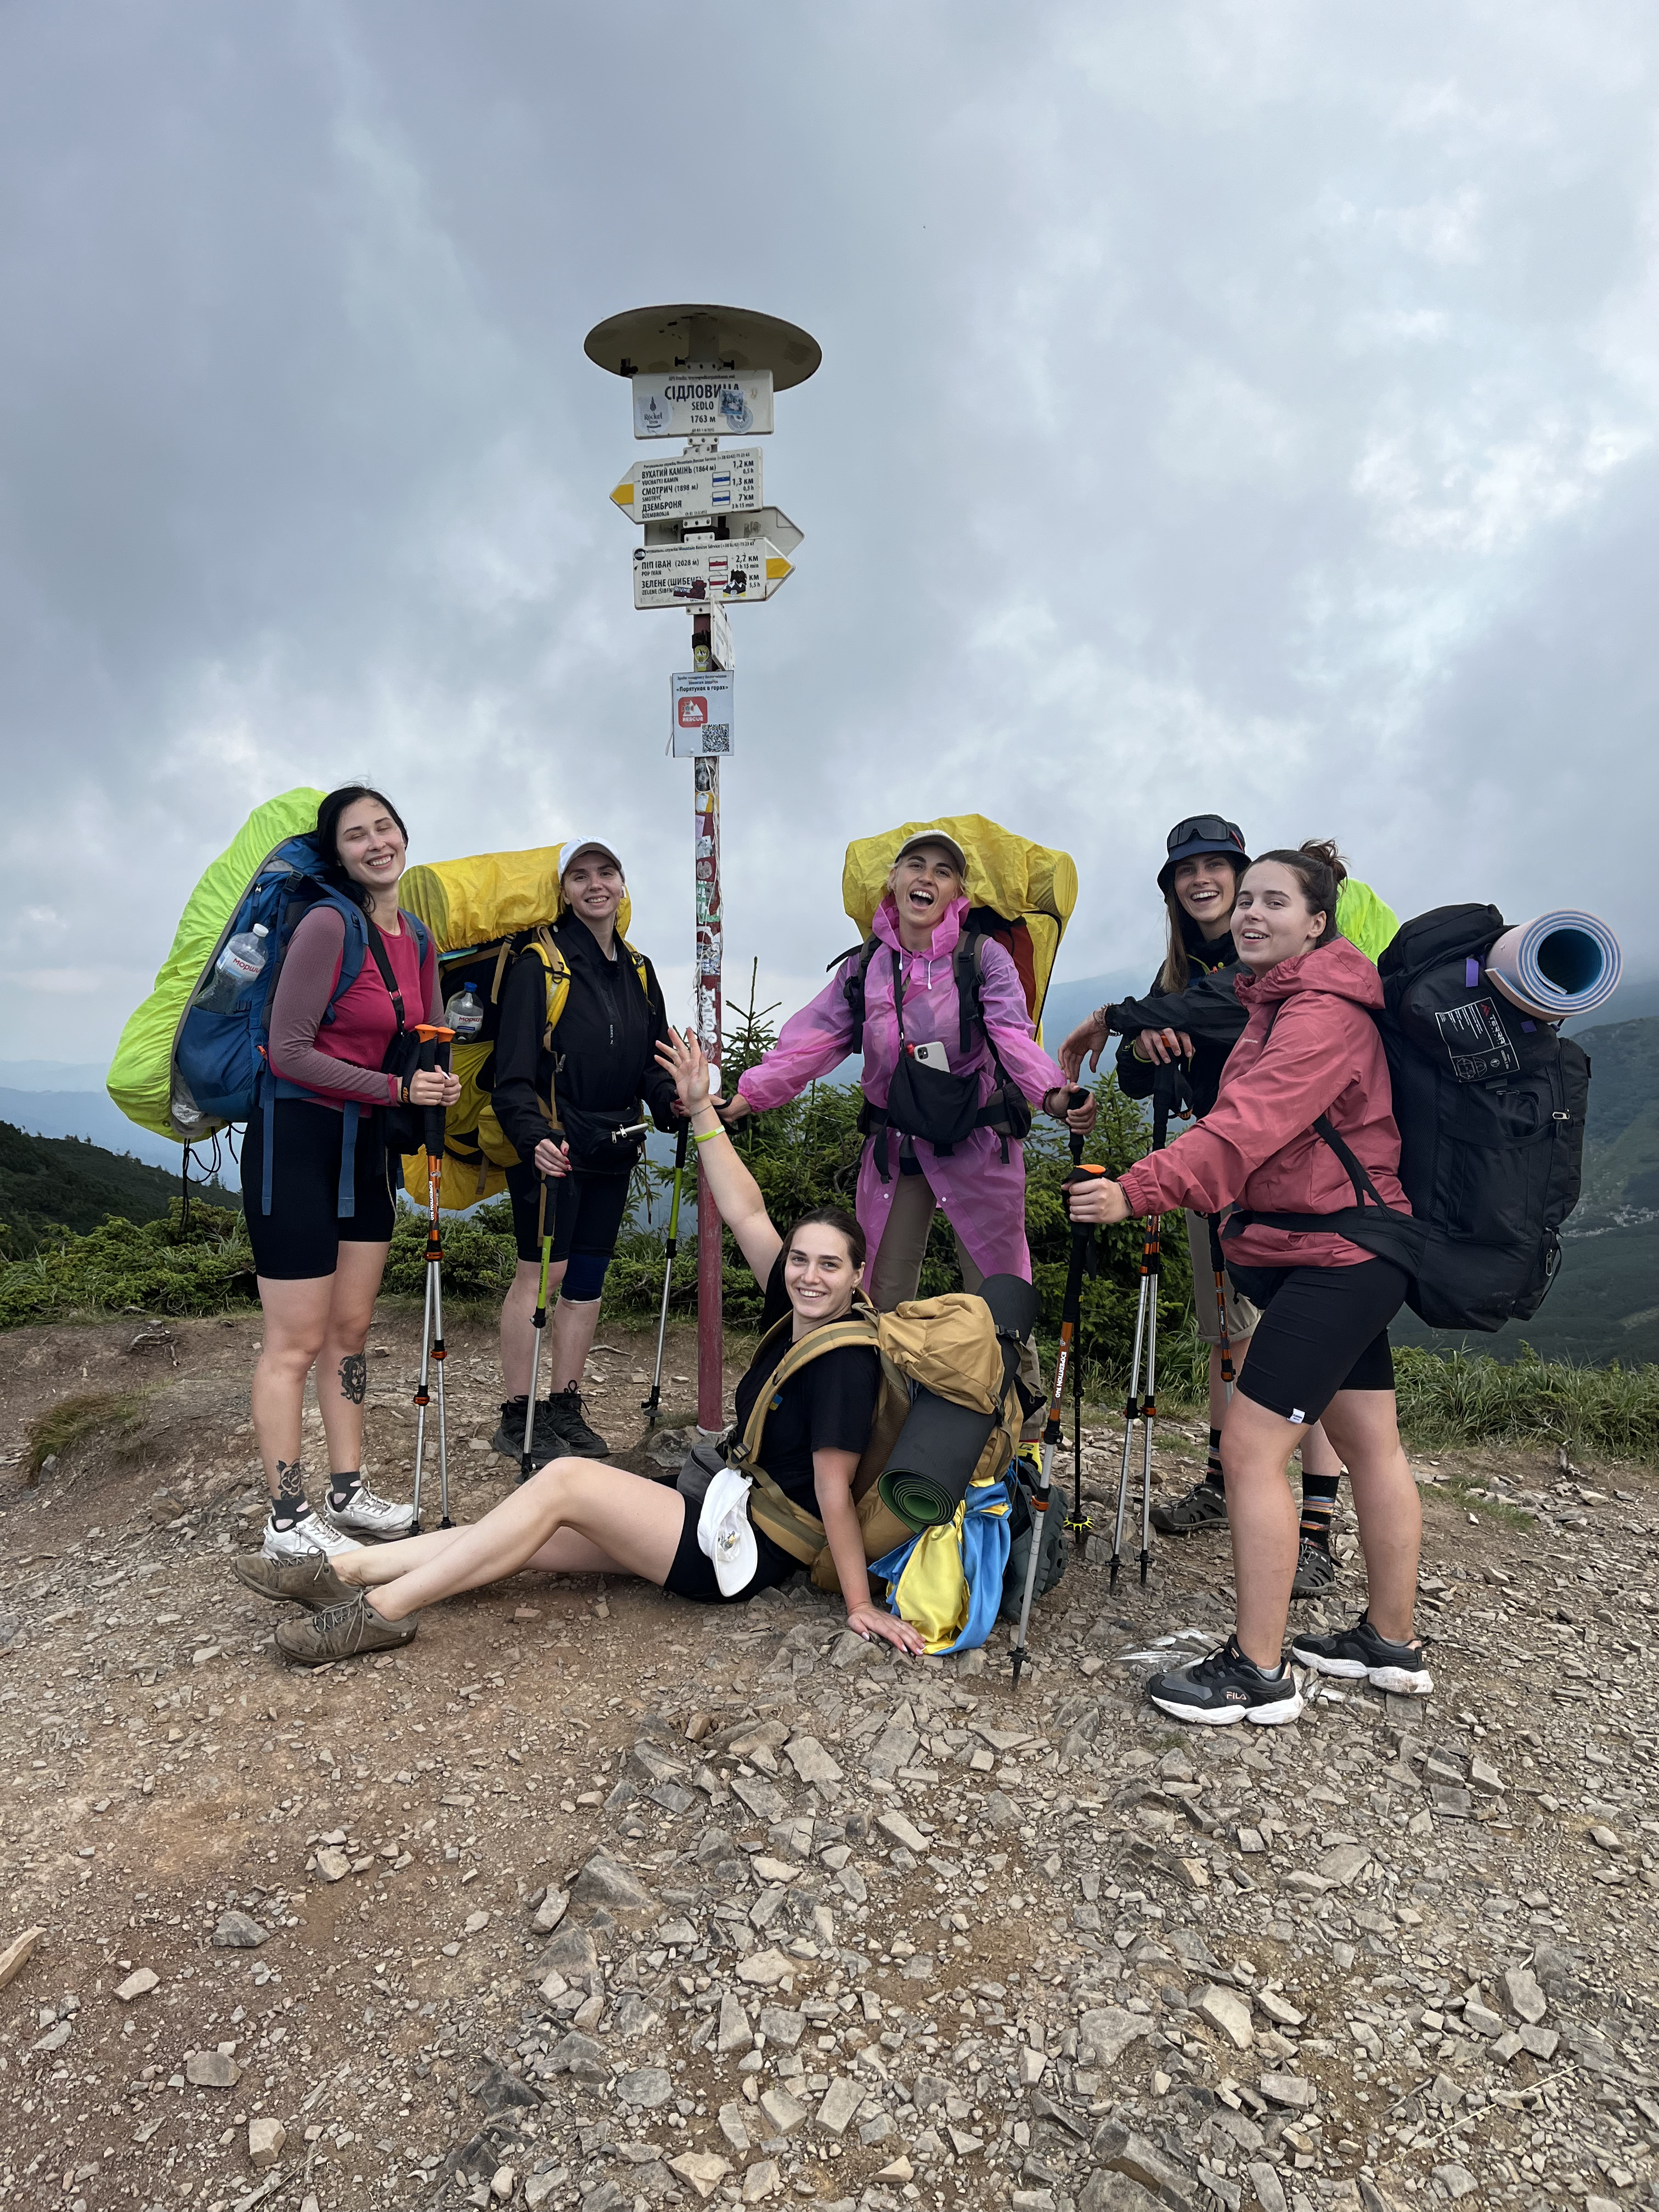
(681, 1138)
(1076, 1095)
(435, 1053)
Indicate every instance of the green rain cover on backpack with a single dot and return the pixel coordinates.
(140, 1075)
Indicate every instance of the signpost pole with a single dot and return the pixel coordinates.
(706, 770)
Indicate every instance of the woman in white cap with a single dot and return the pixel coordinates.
(575, 1518)
(558, 1096)
(942, 1126)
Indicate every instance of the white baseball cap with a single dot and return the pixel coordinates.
(725, 1532)
(575, 847)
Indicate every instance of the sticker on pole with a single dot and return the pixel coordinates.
(703, 404)
(701, 713)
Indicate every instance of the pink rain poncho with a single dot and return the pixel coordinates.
(983, 1196)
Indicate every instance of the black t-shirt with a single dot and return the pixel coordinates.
(829, 1406)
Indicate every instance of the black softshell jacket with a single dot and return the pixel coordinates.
(1208, 1010)
(603, 1056)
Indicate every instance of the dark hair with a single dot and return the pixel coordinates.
(1317, 867)
(830, 1217)
(1177, 968)
(328, 836)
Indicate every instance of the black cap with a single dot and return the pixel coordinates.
(1202, 833)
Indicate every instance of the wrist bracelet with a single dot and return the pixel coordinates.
(706, 1136)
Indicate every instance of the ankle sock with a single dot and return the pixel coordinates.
(1212, 1474)
(285, 1512)
(343, 1488)
(1318, 1507)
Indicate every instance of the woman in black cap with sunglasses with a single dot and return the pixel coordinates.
(1189, 1021)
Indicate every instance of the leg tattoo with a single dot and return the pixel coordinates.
(354, 1378)
(290, 1500)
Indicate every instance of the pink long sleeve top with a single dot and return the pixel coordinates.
(340, 1059)
(983, 1196)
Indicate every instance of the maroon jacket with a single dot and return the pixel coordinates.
(1257, 1144)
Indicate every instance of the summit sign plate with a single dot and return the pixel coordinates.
(713, 403)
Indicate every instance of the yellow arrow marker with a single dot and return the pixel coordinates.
(776, 567)
(623, 494)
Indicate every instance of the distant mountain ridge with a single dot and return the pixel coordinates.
(49, 1183)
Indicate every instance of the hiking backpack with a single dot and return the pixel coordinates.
(484, 913)
(1491, 1105)
(186, 1072)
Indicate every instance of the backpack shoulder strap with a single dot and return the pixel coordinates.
(857, 1329)
(853, 989)
(641, 970)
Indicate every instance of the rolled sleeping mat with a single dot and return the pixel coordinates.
(1562, 964)
(933, 1462)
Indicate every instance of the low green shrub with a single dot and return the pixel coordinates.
(1453, 1398)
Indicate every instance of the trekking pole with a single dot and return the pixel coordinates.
(1070, 1311)
(539, 1324)
(1080, 1524)
(652, 1405)
(1219, 1265)
(434, 1053)
(1135, 1409)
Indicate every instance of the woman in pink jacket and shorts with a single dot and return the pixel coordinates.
(1310, 1051)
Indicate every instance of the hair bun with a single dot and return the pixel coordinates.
(1323, 849)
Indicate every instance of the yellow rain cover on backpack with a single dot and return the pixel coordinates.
(1019, 880)
(482, 905)
(140, 1078)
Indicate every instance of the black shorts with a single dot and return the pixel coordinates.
(693, 1576)
(1322, 1330)
(301, 1236)
(584, 1212)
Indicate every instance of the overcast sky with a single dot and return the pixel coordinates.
(1247, 406)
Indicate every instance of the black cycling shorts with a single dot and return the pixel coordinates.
(692, 1575)
(584, 1212)
(301, 1236)
(1322, 1330)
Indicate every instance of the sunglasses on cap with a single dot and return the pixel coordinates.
(1205, 827)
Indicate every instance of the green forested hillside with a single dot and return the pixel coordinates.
(48, 1183)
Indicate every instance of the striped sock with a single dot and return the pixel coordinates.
(1212, 1474)
(1318, 1506)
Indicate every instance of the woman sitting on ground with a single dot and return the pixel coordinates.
(578, 1516)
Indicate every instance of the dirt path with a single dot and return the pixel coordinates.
(813, 1924)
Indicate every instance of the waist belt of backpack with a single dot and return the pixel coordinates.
(351, 1113)
(1375, 1227)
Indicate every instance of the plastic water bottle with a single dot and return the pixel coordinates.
(464, 1013)
(240, 963)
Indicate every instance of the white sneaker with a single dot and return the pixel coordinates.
(309, 1532)
(371, 1517)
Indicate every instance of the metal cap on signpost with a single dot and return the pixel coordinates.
(710, 541)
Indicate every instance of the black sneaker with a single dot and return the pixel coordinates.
(546, 1440)
(573, 1435)
(1203, 1506)
(1359, 1654)
(1227, 1687)
(1315, 1570)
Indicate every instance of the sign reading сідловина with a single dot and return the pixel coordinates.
(713, 403)
(701, 720)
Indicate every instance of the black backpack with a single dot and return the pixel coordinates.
(1490, 1107)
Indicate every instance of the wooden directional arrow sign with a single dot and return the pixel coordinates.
(692, 575)
(691, 483)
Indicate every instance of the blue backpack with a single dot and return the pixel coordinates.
(222, 1058)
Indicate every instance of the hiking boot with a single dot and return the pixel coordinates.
(1203, 1506)
(307, 1532)
(310, 1580)
(1315, 1570)
(546, 1441)
(342, 1632)
(1359, 1654)
(1224, 1688)
(574, 1437)
(364, 1515)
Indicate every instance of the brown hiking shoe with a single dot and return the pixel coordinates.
(341, 1632)
(309, 1581)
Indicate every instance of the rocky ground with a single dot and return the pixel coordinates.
(593, 1899)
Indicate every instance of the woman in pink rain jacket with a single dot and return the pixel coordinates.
(911, 1054)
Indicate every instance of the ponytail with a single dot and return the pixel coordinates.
(1318, 867)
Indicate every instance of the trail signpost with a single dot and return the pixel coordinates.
(704, 373)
